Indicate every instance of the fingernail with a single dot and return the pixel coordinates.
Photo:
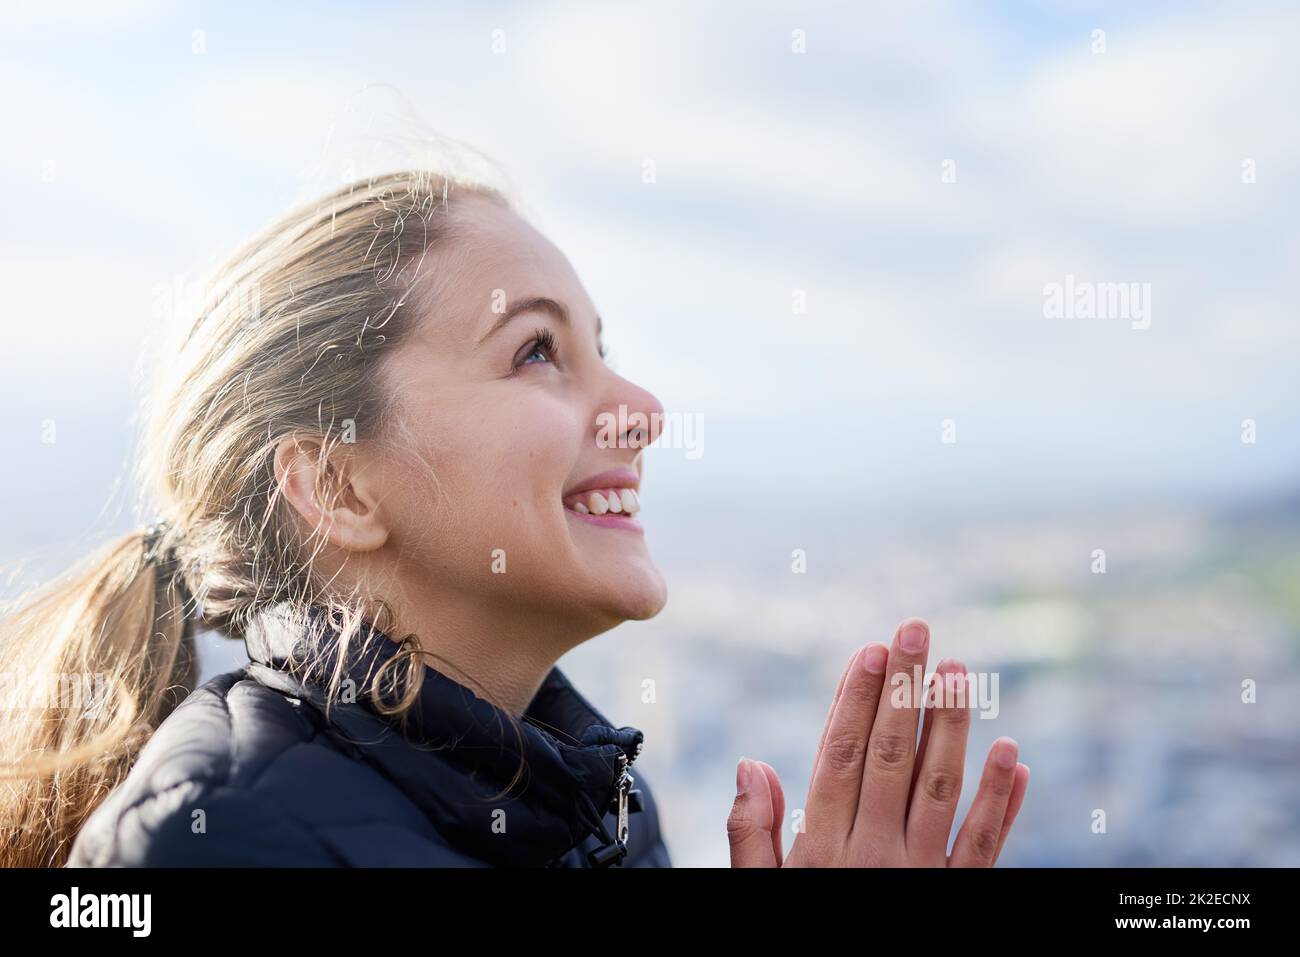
(951, 667)
(914, 637)
(742, 776)
(1006, 754)
(874, 658)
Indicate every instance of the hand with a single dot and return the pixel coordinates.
(877, 798)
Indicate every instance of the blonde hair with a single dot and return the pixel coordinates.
(286, 342)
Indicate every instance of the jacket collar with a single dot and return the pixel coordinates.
(458, 752)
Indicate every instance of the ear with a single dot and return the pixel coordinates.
(329, 492)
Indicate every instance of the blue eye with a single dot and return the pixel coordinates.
(542, 346)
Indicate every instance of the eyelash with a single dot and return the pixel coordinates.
(544, 340)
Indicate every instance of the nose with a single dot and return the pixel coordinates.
(629, 417)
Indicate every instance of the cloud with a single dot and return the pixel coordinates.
(777, 172)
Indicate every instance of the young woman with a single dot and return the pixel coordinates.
(380, 457)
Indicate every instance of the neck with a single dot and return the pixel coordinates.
(502, 657)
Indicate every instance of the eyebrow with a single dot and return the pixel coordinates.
(535, 304)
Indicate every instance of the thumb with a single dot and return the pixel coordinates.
(752, 818)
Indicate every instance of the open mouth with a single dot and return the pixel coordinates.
(608, 507)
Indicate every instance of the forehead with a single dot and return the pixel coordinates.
(494, 256)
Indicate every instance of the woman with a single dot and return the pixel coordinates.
(378, 458)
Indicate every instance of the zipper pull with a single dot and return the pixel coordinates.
(624, 801)
(613, 853)
(624, 786)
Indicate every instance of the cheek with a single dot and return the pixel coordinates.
(526, 454)
(500, 475)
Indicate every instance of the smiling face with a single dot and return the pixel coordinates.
(526, 505)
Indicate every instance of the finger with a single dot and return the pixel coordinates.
(940, 765)
(837, 781)
(1013, 805)
(977, 841)
(926, 723)
(749, 825)
(892, 746)
(778, 809)
(839, 689)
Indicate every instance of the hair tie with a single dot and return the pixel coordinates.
(166, 564)
(153, 536)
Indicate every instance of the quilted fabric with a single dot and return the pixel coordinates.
(251, 771)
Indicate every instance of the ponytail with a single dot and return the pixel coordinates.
(90, 665)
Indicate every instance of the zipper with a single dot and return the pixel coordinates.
(625, 782)
(614, 851)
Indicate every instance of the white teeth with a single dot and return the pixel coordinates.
(615, 501)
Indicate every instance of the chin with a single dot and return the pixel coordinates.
(650, 605)
(637, 603)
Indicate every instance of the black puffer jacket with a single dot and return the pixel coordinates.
(248, 772)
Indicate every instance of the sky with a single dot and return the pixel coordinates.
(837, 273)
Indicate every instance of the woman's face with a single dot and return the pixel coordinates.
(504, 393)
